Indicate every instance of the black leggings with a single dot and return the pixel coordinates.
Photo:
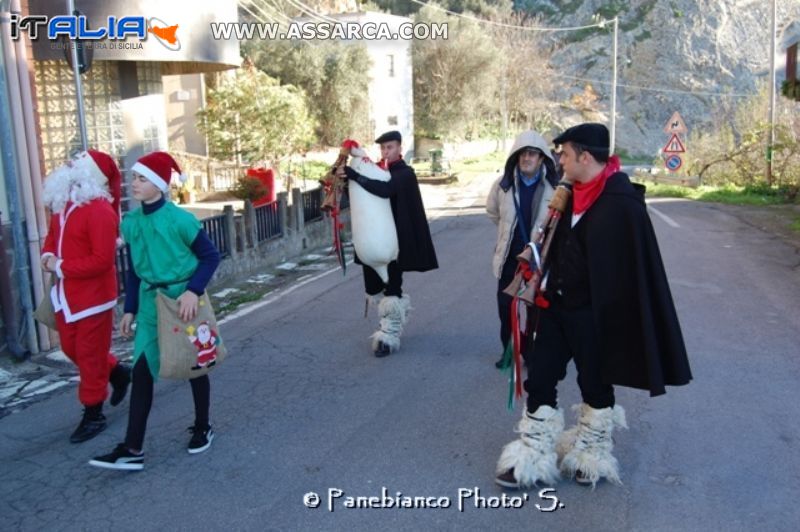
(373, 284)
(565, 335)
(142, 400)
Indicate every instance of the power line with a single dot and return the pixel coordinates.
(243, 6)
(310, 12)
(654, 89)
(600, 24)
(263, 17)
(278, 11)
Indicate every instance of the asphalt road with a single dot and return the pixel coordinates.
(301, 406)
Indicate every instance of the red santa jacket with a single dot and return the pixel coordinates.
(84, 240)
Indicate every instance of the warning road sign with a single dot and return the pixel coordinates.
(675, 125)
(674, 145)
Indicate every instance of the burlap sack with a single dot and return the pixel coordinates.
(44, 312)
(188, 349)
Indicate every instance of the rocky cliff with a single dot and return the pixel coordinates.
(672, 54)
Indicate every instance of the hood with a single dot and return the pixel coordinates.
(528, 139)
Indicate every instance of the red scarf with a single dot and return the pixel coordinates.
(382, 163)
(585, 194)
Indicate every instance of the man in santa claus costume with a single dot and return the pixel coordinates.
(80, 250)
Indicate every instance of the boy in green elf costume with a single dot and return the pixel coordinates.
(168, 251)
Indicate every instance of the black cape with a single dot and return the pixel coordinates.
(639, 333)
(413, 234)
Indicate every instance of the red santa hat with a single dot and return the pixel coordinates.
(158, 167)
(101, 168)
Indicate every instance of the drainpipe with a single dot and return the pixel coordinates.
(10, 313)
(35, 164)
(24, 260)
(20, 253)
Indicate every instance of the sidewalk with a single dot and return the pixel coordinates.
(25, 383)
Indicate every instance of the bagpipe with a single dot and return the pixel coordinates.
(374, 234)
(335, 188)
(527, 288)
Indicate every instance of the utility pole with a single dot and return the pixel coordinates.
(78, 83)
(614, 88)
(772, 83)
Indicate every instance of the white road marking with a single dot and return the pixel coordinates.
(276, 296)
(667, 219)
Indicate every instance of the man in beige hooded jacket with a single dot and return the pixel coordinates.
(517, 204)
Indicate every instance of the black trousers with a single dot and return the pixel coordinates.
(373, 284)
(142, 400)
(504, 300)
(565, 334)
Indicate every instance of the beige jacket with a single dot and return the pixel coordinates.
(500, 202)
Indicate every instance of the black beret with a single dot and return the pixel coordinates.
(592, 136)
(389, 136)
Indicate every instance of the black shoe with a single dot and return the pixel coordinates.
(120, 379)
(201, 439)
(120, 458)
(92, 424)
(382, 350)
(582, 479)
(507, 480)
(500, 364)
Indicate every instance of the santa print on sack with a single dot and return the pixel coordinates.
(206, 343)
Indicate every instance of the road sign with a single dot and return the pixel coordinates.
(673, 163)
(674, 145)
(675, 125)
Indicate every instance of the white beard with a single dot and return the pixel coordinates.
(65, 183)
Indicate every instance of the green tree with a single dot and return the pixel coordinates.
(251, 116)
(332, 76)
(454, 79)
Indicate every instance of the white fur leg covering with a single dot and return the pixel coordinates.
(533, 456)
(372, 302)
(393, 312)
(405, 305)
(587, 446)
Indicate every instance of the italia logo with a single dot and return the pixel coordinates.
(116, 29)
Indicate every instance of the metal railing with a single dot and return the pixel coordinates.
(208, 174)
(268, 222)
(215, 228)
(312, 203)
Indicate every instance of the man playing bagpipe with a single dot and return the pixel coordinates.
(416, 252)
(604, 301)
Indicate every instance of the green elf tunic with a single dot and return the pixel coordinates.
(161, 254)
